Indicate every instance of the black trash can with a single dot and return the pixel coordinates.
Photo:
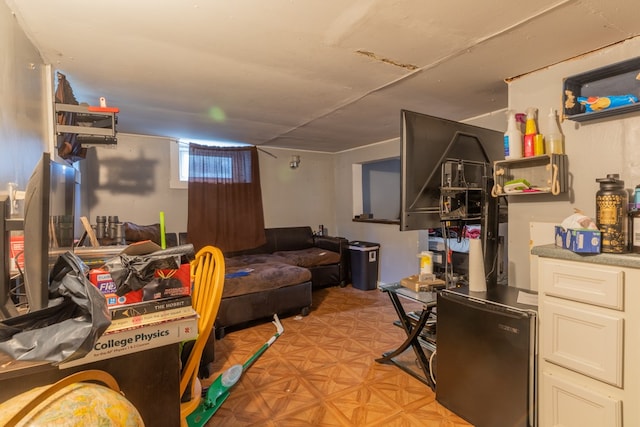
(364, 264)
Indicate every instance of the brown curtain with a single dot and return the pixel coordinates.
(225, 198)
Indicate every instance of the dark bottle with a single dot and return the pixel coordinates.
(101, 227)
(612, 220)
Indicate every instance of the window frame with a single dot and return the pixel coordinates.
(179, 159)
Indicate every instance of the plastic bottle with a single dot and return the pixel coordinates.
(530, 131)
(512, 138)
(554, 140)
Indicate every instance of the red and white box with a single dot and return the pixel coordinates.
(102, 280)
(166, 283)
(16, 246)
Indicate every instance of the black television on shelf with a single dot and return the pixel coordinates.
(48, 228)
(425, 143)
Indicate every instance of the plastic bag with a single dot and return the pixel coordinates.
(578, 221)
(66, 330)
(133, 272)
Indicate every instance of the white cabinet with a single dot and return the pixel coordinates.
(586, 341)
(589, 340)
(571, 404)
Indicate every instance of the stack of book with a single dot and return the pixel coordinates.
(147, 312)
(142, 326)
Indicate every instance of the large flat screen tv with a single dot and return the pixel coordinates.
(426, 142)
(48, 225)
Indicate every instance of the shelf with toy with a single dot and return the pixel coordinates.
(604, 92)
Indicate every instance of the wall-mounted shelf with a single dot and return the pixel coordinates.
(618, 79)
(546, 174)
(95, 124)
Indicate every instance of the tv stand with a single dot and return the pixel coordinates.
(418, 364)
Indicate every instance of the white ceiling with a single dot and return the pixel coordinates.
(324, 75)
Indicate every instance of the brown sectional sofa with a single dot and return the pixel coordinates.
(278, 277)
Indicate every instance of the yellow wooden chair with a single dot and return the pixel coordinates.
(208, 280)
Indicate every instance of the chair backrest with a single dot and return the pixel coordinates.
(208, 281)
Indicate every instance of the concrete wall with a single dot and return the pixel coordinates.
(595, 149)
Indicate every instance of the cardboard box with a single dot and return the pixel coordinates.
(414, 283)
(169, 283)
(16, 246)
(102, 280)
(166, 283)
(579, 240)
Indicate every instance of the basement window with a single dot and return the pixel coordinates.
(179, 159)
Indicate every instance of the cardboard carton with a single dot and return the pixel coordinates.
(415, 284)
(167, 283)
(578, 240)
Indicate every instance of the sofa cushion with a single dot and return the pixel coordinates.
(310, 257)
(281, 239)
(258, 259)
(290, 238)
(263, 277)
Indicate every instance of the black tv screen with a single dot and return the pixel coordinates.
(48, 225)
(426, 142)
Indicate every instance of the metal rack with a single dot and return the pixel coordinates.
(465, 198)
(461, 190)
(94, 125)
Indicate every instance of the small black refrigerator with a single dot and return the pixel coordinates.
(486, 355)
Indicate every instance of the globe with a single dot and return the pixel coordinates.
(79, 404)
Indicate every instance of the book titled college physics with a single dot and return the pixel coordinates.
(120, 341)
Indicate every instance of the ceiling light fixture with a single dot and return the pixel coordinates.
(295, 162)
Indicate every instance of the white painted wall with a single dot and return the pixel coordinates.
(132, 181)
(303, 196)
(23, 135)
(594, 149)
(397, 249)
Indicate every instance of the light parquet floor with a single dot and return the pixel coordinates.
(322, 372)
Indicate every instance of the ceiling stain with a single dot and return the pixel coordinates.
(409, 67)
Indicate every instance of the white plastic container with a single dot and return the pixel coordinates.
(426, 265)
(554, 140)
(512, 138)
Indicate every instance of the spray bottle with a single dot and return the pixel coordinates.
(554, 138)
(512, 138)
(530, 131)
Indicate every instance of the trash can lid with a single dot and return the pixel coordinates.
(363, 246)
